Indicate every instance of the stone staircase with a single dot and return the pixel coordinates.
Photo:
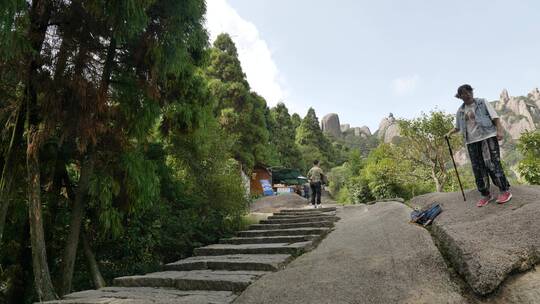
(218, 273)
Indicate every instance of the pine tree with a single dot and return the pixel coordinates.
(313, 143)
(296, 121)
(283, 137)
(240, 111)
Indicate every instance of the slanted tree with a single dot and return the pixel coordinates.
(424, 145)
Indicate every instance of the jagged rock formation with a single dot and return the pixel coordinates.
(362, 132)
(535, 95)
(388, 129)
(365, 130)
(330, 125)
(519, 114)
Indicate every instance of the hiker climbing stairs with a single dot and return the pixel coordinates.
(218, 273)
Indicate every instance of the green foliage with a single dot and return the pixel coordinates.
(383, 174)
(313, 144)
(282, 132)
(296, 121)
(350, 142)
(424, 145)
(338, 177)
(241, 113)
(529, 167)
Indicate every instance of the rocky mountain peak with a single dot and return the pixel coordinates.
(518, 114)
(388, 129)
(534, 94)
(504, 96)
(330, 125)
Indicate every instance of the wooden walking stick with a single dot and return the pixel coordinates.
(455, 167)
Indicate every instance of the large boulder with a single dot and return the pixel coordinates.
(374, 256)
(362, 132)
(330, 124)
(391, 132)
(365, 130)
(518, 289)
(487, 245)
(388, 129)
(503, 99)
(345, 128)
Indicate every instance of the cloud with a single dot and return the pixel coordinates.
(254, 54)
(405, 85)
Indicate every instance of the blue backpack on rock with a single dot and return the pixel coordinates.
(426, 216)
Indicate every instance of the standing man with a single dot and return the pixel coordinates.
(481, 128)
(315, 182)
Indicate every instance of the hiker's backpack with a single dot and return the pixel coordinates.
(324, 179)
(426, 216)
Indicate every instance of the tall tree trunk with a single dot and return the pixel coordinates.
(42, 278)
(39, 18)
(95, 273)
(77, 215)
(99, 282)
(70, 252)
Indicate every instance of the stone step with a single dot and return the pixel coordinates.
(258, 262)
(269, 239)
(313, 213)
(290, 225)
(121, 295)
(284, 232)
(277, 248)
(219, 280)
(300, 220)
(304, 214)
(278, 216)
(318, 210)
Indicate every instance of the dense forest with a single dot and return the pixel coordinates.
(124, 135)
(125, 132)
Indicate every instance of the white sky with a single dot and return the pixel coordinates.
(255, 55)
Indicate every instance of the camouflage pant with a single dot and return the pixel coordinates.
(486, 165)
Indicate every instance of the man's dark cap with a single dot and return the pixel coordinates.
(465, 87)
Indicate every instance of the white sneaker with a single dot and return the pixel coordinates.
(314, 206)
